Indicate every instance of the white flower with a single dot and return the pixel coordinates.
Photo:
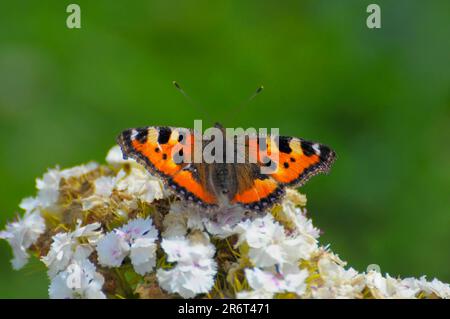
(294, 278)
(269, 244)
(143, 255)
(180, 219)
(104, 186)
(303, 225)
(435, 287)
(337, 281)
(195, 269)
(296, 215)
(140, 183)
(389, 287)
(22, 233)
(219, 229)
(286, 279)
(112, 250)
(79, 280)
(136, 239)
(224, 223)
(115, 157)
(68, 246)
(48, 185)
(183, 217)
(294, 198)
(264, 280)
(29, 204)
(78, 170)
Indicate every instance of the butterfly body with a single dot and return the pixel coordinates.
(168, 152)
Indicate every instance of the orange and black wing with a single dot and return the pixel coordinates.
(167, 152)
(255, 191)
(295, 160)
(280, 162)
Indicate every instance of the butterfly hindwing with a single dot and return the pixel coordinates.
(162, 151)
(255, 191)
(190, 183)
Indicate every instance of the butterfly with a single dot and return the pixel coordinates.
(221, 185)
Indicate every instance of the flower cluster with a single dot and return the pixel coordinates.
(115, 231)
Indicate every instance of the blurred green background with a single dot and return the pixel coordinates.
(380, 98)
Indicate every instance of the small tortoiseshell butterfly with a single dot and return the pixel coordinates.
(224, 185)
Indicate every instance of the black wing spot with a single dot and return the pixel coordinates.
(286, 165)
(178, 157)
(307, 148)
(164, 156)
(325, 153)
(283, 144)
(164, 135)
(292, 160)
(141, 135)
(156, 149)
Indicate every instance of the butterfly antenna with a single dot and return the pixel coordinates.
(258, 90)
(239, 108)
(201, 109)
